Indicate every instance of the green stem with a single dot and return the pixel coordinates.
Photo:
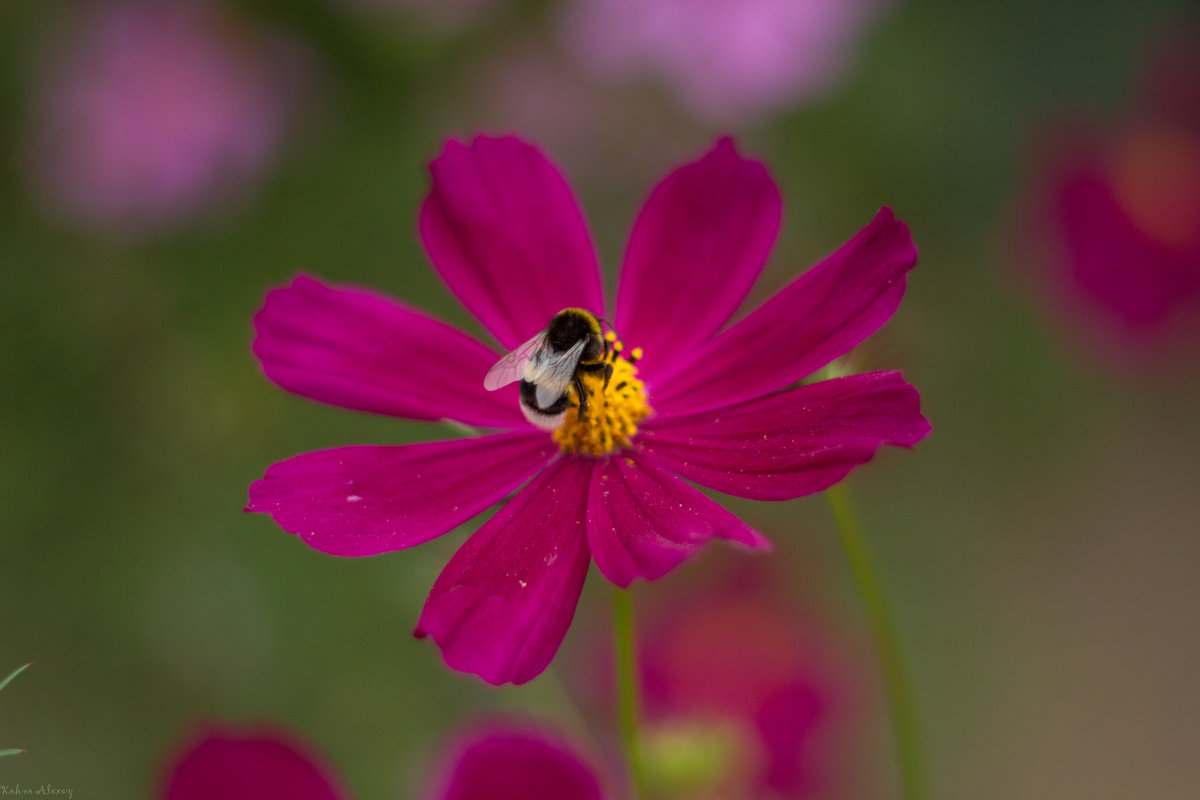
(899, 690)
(628, 700)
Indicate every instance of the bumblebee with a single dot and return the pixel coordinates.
(549, 364)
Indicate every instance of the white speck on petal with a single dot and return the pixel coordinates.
(352, 498)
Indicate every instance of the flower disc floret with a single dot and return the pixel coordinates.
(613, 411)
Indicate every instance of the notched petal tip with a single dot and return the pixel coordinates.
(699, 242)
(468, 146)
(503, 604)
(757, 543)
(505, 233)
(918, 426)
(819, 316)
(885, 216)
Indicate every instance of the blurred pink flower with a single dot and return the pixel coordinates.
(511, 761)
(502, 760)
(258, 763)
(1117, 215)
(735, 659)
(503, 230)
(728, 61)
(154, 112)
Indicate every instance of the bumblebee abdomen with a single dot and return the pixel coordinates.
(548, 418)
(529, 400)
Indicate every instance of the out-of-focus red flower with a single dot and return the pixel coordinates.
(507, 760)
(498, 760)
(1115, 218)
(256, 763)
(739, 662)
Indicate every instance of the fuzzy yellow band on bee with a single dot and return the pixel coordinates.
(613, 413)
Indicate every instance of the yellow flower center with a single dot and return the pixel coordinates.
(612, 413)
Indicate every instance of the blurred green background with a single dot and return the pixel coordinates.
(1040, 547)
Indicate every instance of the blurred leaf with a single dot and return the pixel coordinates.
(14, 674)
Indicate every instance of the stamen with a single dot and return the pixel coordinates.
(613, 413)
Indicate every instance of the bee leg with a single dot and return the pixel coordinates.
(583, 404)
(608, 371)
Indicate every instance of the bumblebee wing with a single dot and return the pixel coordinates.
(552, 372)
(546, 396)
(512, 366)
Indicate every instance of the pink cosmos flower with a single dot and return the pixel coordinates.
(1118, 216)
(707, 401)
(253, 764)
(780, 692)
(154, 112)
(727, 60)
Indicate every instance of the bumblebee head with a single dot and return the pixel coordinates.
(572, 325)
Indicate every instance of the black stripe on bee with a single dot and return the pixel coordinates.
(529, 400)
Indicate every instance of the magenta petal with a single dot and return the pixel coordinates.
(353, 348)
(234, 765)
(511, 763)
(643, 521)
(813, 320)
(791, 443)
(698, 245)
(504, 602)
(502, 227)
(363, 501)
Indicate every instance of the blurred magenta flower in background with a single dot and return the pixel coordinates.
(151, 113)
(733, 665)
(506, 760)
(499, 760)
(1116, 215)
(258, 763)
(727, 61)
(503, 230)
